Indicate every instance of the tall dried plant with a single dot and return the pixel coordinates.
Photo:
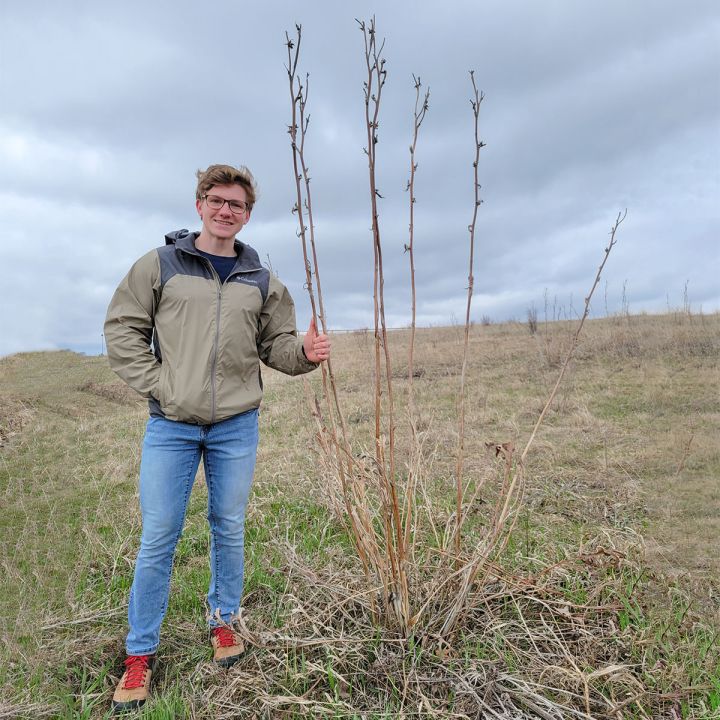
(389, 515)
(385, 463)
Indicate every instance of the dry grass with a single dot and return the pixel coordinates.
(624, 626)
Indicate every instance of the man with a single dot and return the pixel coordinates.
(211, 313)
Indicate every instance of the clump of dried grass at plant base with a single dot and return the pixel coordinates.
(329, 655)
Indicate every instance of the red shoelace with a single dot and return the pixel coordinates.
(225, 636)
(136, 666)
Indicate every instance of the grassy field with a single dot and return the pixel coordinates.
(626, 626)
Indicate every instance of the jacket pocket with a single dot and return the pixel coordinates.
(161, 392)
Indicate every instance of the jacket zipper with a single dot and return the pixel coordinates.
(217, 338)
(215, 354)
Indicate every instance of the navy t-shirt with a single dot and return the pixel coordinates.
(223, 265)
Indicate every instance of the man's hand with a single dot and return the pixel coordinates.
(317, 347)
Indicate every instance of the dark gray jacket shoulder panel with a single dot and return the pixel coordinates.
(176, 263)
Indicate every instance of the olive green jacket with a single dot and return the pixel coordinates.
(192, 346)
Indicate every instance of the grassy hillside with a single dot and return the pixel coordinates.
(605, 489)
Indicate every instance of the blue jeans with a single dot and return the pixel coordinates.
(170, 459)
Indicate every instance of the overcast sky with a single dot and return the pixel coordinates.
(108, 109)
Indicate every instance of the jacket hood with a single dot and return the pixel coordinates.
(184, 240)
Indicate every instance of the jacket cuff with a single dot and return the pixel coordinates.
(309, 363)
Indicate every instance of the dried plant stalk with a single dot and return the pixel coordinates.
(410, 248)
(298, 95)
(373, 86)
(475, 102)
(300, 122)
(685, 454)
(574, 342)
(512, 492)
(419, 116)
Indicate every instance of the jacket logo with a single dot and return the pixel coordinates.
(240, 278)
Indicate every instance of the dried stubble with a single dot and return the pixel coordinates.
(602, 485)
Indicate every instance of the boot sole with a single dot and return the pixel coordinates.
(118, 708)
(228, 661)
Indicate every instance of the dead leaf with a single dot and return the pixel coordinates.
(676, 712)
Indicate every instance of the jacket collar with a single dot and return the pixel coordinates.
(247, 257)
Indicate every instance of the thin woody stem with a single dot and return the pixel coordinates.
(410, 248)
(517, 484)
(292, 130)
(369, 37)
(476, 111)
(419, 116)
(573, 345)
(498, 540)
(302, 99)
(299, 100)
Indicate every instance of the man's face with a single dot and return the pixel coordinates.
(223, 222)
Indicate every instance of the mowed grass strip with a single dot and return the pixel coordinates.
(604, 466)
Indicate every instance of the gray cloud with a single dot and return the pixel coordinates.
(107, 111)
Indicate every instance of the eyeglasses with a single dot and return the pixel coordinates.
(216, 203)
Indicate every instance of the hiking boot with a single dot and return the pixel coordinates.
(227, 645)
(132, 690)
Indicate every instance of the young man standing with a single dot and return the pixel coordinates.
(187, 329)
